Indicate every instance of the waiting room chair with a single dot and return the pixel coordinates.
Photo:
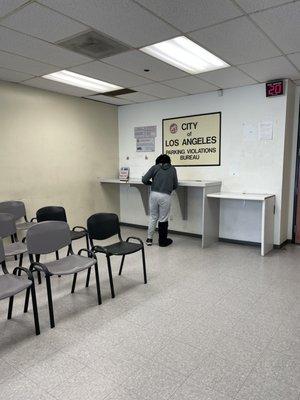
(57, 213)
(103, 226)
(17, 209)
(10, 285)
(48, 237)
(8, 229)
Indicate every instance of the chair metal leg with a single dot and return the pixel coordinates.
(87, 241)
(88, 275)
(20, 264)
(74, 283)
(10, 307)
(144, 265)
(26, 300)
(39, 276)
(57, 255)
(98, 284)
(50, 302)
(111, 282)
(35, 310)
(121, 266)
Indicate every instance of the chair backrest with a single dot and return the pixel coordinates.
(16, 208)
(2, 255)
(7, 225)
(102, 226)
(51, 213)
(48, 237)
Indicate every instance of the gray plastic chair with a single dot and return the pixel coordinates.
(49, 237)
(10, 285)
(17, 209)
(8, 229)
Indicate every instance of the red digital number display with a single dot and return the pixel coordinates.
(274, 88)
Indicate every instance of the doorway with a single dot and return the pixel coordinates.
(296, 219)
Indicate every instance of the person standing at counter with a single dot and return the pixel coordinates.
(163, 180)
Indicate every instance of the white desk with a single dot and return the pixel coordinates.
(267, 213)
(210, 210)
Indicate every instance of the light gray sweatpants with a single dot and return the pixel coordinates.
(159, 206)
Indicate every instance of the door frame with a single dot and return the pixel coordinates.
(297, 172)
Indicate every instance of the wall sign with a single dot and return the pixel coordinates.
(193, 140)
(274, 88)
(145, 138)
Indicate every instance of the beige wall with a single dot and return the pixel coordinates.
(52, 149)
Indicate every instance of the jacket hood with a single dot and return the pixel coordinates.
(166, 166)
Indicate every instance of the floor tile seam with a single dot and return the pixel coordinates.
(59, 383)
(31, 365)
(252, 370)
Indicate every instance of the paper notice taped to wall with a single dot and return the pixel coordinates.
(265, 130)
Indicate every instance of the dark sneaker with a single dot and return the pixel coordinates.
(149, 242)
(166, 242)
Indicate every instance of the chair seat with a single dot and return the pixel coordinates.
(24, 226)
(121, 248)
(70, 265)
(12, 284)
(13, 249)
(77, 234)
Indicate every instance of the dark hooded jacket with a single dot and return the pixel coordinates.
(162, 178)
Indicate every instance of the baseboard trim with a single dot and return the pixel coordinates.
(280, 246)
(197, 235)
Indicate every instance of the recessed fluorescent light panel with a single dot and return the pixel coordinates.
(186, 55)
(82, 81)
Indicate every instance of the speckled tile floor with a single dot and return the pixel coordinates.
(216, 324)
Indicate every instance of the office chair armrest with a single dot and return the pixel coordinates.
(99, 249)
(135, 238)
(33, 219)
(39, 267)
(90, 253)
(82, 228)
(28, 273)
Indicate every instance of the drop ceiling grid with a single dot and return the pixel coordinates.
(237, 5)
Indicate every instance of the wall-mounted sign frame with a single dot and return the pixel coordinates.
(193, 140)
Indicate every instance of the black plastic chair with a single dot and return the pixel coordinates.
(57, 213)
(17, 209)
(103, 226)
(48, 237)
(10, 285)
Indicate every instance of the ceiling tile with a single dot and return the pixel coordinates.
(122, 19)
(109, 100)
(39, 21)
(295, 58)
(256, 5)
(13, 76)
(135, 61)
(227, 78)
(265, 70)
(138, 97)
(191, 85)
(22, 64)
(282, 24)
(15, 42)
(58, 87)
(108, 73)
(158, 90)
(237, 41)
(190, 15)
(6, 6)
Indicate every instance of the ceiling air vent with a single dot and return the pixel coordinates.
(115, 93)
(93, 44)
